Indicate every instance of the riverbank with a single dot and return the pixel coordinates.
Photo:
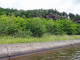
(13, 50)
(44, 38)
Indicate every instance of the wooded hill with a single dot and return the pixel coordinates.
(38, 13)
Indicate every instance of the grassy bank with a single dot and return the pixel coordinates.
(11, 40)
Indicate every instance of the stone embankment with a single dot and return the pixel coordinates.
(13, 50)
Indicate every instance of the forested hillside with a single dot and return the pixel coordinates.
(37, 13)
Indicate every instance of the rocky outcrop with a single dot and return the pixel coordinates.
(54, 16)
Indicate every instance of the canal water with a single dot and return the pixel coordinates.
(68, 53)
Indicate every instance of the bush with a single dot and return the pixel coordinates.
(57, 28)
(49, 26)
(10, 29)
(67, 26)
(78, 29)
(23, 34)
(37, 28)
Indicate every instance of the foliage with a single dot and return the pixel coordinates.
(49, 26)
(23, 27)
(78, 29)
(36, 13)
(36, 27)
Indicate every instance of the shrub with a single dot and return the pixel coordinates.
(36, 27)
(23, 34)
(57, 28)
(67, 26)
(49, 26)
(78, 29)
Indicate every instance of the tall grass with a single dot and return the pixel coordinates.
(11, 39)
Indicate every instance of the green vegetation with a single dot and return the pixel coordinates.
(22, 30)
(24, 27)
(9, 55)
(45, 37)
(36, 13)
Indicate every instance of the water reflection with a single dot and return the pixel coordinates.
(69, 53)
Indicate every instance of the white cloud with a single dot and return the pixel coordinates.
(6, 3)
(17, 5)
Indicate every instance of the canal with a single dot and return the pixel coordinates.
(67, 53)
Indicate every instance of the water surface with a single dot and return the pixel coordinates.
(68, 53)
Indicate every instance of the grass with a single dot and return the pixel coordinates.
(11, 40)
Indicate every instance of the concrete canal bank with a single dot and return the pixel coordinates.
(13, 50)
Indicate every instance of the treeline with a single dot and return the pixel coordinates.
(36, 13)
(23, 27)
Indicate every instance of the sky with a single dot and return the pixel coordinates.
(68, 6)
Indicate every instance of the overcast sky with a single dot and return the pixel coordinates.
(72, 6)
